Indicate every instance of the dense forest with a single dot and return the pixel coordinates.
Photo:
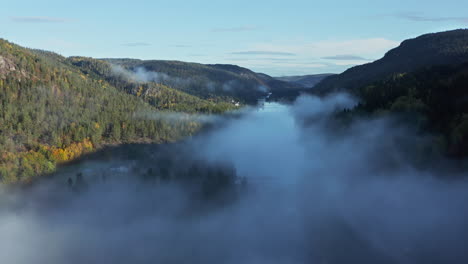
(209, 81)
(424, 80)
(306, 81)
(150, 90)
(53, 111)
(435, 99)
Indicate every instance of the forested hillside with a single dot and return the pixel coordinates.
(150, 89)
(435, 99)
(449, 47)
(425, 80)
(52, 111)
(305, 81)
(212, 82)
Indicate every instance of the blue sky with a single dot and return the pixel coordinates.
(275, 37)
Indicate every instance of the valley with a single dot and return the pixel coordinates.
(119, 160)
(267, 166)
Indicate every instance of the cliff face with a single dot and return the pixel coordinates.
(9, 68)
(6, 66)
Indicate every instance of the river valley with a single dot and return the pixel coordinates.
(314, 193)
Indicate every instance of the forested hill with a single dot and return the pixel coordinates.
(145, 85)
(450, 47)
(52, 111)
(306, 81)
(435, 99)
(207, 80)
(425, 81)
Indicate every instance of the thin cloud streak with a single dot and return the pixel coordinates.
(235, 29)
(345, 57)
(370, 48)
(260, 52)
(38, 19)
(423, 18)
(264, 59)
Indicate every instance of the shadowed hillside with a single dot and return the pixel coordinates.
(207, 81)
(306, 81)
(449, 47)
(434, 99)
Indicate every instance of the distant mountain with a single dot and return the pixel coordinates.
(305, 81)
(205, 80)
(450, 47)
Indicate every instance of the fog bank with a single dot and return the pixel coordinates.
(316, 192)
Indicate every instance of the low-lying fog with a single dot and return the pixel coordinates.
(316, 192)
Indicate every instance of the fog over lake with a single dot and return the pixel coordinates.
(313, 191)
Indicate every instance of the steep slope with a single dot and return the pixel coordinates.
(449, 47)
(145, 86)
(305, 81)
(50, 112)
(435, 99)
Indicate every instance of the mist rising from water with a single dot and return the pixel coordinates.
(316, 194)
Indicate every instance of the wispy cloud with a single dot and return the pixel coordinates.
(312, 56)
(423, 18)
(263, 59)
(235, 29)
(345, 57)
(279, 59)
(348, 63)
(38, 19)
(262, 52)
(136, 44)
(368, 48)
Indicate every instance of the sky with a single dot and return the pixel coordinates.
(279, 38)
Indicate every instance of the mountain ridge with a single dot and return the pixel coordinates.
(204, 80)
(305, 81)
(448, 47)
